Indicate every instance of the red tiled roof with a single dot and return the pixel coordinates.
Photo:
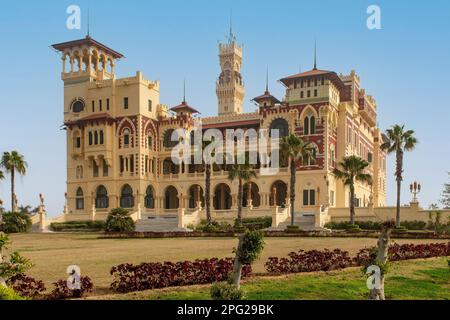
(184, 106)
(315, 72)
(231, 124)
(266, 95)
(89, 42)
(98, 116)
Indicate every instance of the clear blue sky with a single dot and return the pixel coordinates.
(405, 65)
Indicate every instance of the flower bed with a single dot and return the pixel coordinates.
(314, 260)
(129, 277)
(308, 261)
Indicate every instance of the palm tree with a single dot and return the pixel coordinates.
(296, 150)
(399, 140)
(353, 169)
(13, 162)
(243, 172)
(207, 185)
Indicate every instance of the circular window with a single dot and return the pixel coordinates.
(78, 105)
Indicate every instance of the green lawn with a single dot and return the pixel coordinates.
(407, 280)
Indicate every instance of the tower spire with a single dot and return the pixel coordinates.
(231, 36)
(267, 79)
(315, 55)
(184, 90)
(88, 23)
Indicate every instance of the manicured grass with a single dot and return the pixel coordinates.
(52, 253)
(407, 280)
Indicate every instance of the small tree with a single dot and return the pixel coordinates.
(352, 170)
(381, 260)
(119, 221)
(13, 265)
(16, 222)
(445, 200)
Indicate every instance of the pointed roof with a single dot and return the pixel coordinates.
(314, 72)
(264, 96)
(90, 42)
(184, 107)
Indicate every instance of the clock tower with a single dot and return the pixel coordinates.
(230, 87)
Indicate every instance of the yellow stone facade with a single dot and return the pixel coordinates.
(118, 151)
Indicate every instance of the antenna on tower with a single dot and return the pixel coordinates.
(231, 36)
(267, 79)
(88, 23)
(315, 55)
(184, 90)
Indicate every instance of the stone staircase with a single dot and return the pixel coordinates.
(158, 224)
(304, 221)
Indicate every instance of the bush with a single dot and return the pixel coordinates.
(405, 252)
(129, 277)
(292, 228)
(257, 223)
(78, 225)
(62, 291)
(414, 225)
(345, 225)
(9, 294)
(214, 226)
(226, 291)
(26, 286)
(119, 221)
(16, 222)
(308, 261)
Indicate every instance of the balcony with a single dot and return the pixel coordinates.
(367, 111)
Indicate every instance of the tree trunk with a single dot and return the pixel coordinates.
(352, 204)
(208, 193)
(13, 195)
(381, 259)
(292, 190)
(237, 267)
(239, 200)
(399, 178)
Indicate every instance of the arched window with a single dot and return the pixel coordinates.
(90, 138)
(95, 137)
(312, 160)
(168, 143)
(281, 125)
(101, 199)
(77, 106)
(101, 136)
(312, 125)
(126, 139)
(150, 142)
(149, 200)
(79, 199)
(306, 126)
(126, 197)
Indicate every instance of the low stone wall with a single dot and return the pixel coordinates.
(413, 212)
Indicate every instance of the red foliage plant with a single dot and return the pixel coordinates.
(61, 290)
(308, 261)
(129, 277)
(27, 286)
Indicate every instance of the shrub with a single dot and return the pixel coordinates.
(26, 286)
(77, 225)
(292, 228)
(119, 221)
(345, 225)
(257, 223)
(307, 261)
(62, 291)
(129, 277)
(226, 291)
(16, 222)
(405, 252)
(214, 226)
(414, 225)
(9, 294)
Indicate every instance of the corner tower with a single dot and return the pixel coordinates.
(230, 87)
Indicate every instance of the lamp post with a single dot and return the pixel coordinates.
(414, 188)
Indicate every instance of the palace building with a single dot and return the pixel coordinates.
(119, 142)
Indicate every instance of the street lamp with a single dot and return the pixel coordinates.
(414, 188)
